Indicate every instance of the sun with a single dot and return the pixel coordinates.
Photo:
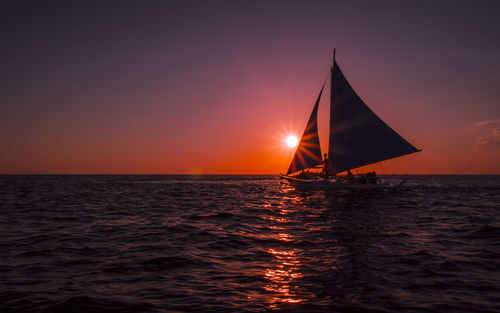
(292, 141)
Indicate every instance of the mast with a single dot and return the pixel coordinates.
(330, 134)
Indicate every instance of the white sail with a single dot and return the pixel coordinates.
(308, 153)
(357, 135)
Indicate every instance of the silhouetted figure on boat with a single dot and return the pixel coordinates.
(326, 165)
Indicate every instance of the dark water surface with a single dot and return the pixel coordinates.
(247, 243)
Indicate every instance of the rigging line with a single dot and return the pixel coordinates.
(327, 76)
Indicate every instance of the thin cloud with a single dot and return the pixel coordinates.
(489, 141)
(482, 123)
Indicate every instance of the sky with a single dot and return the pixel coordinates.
(215, 87)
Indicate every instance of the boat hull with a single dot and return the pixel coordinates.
(323, 184)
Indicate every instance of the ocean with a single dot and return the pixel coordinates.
(163, 243)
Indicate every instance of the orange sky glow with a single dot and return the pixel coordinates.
(179, 89)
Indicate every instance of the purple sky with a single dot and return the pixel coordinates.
(214, 86)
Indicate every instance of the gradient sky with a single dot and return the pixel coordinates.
(215, 86)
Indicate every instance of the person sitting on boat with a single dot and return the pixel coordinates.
(326, 165)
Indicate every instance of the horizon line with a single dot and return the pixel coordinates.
(239, 174)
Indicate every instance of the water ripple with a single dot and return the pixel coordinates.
(137, 243)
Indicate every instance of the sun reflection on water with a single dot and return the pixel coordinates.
(282, 277)
(285, 269)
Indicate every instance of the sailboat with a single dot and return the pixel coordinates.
(358, 137)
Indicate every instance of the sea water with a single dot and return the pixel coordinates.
(112, 243)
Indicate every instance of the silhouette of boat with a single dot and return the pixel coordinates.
(357, 137)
